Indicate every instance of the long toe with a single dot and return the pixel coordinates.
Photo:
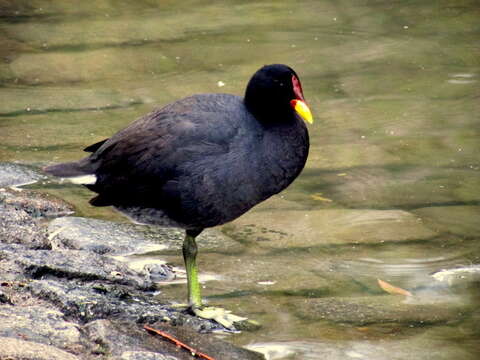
(222, 316)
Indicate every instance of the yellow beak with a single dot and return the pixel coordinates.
(302, 110)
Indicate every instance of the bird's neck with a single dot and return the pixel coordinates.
(270, 113)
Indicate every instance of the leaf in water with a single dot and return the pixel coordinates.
(342, 174)
(363, 328)
(389, 288)
(319, 197)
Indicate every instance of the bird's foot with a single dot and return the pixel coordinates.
(222, 316)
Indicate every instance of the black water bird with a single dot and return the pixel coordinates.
(201, 161)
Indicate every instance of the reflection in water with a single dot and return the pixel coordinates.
(392, 186)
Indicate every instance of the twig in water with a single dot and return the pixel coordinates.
(178, 343)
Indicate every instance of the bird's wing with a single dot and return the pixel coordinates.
(137, 161)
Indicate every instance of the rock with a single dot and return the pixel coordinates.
(16, 175)
(158, 272)
(361, 311)
(280, 229)
(127, 341)
(16, 349)
(9, 270)
(4, 299)
(21, 216)
(99, 236)
(119, 238)
(76, 264)
(102, 301)
(144, 355)
(96, 301)
(38, 324)
(219, 349)
(16, 226)
(123, 340)
(36, 204)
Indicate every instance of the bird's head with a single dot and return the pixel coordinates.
(274, 93)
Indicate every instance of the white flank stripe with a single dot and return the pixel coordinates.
(83, 180)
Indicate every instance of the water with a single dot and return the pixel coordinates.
(392, 186)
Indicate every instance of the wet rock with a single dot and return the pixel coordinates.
(102, 301)
(159, 272)
(123, 340)
(119, 238)
(16, 349)
(9, 270)
(75, 264)
(95, 301)
(36, 204)
(280, 229)
(22, 214)
(15, 175)
(218, 349)
(128, 341)
(144, 355)
(99, 236)
(39, 324)
(16, 226)
(4, 299)
(361, 311)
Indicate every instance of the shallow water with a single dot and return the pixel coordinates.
(392, 186)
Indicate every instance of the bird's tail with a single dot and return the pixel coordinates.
(79, 172)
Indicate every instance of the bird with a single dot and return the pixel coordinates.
(201, 161)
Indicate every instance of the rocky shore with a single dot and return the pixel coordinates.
(63, 295)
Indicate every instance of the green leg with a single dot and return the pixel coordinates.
(190, 256)
(220, 315)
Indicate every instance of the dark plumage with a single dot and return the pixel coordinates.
(204, 160)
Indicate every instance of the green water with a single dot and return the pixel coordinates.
(392, 186)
